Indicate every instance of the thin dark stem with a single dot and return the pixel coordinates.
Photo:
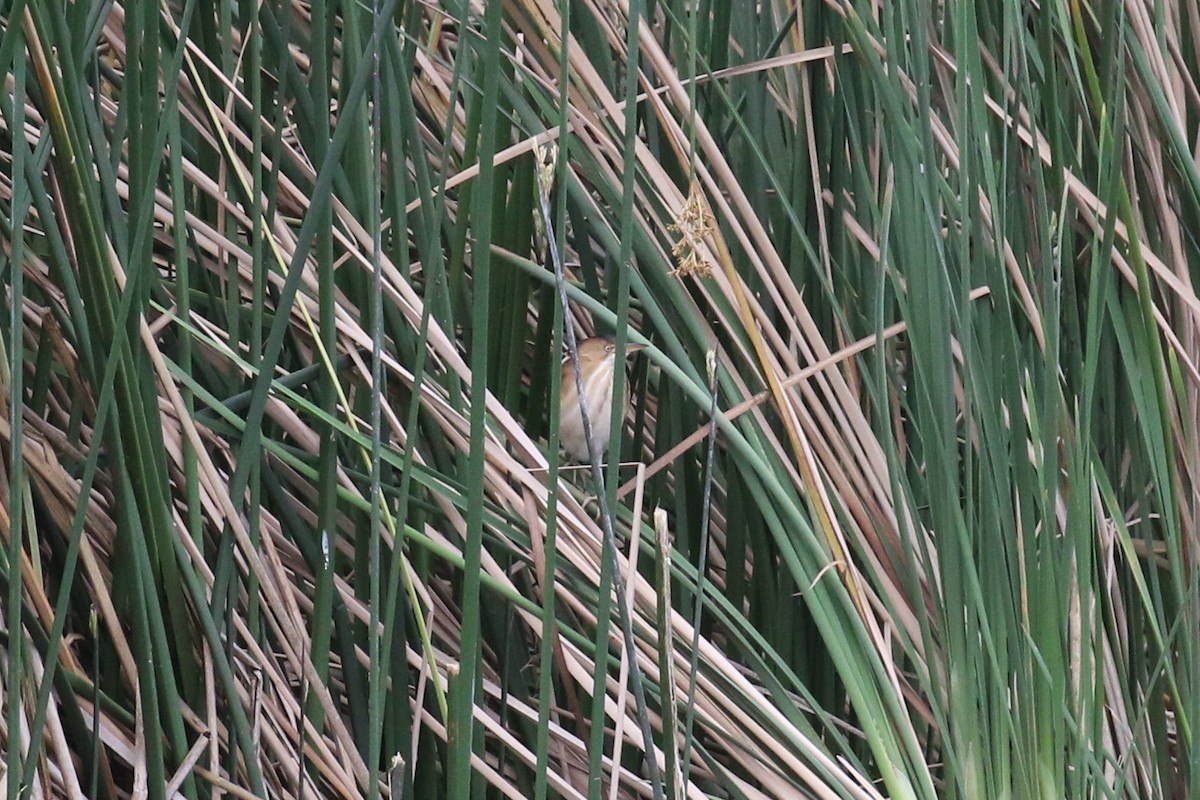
(610, 539)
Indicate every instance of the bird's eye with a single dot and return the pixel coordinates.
(612, 348)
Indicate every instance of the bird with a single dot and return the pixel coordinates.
(598, 365)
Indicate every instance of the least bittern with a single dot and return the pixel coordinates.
(598, 367)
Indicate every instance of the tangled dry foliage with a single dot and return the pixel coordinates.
(283, 334)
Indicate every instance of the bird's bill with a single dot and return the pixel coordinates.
(631, 347)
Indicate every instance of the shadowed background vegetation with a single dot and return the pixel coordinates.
(911, 492)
